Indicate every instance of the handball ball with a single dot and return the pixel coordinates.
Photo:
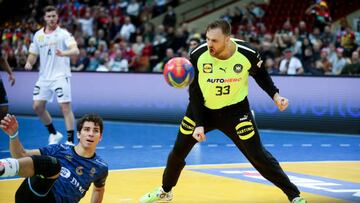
(179, 72)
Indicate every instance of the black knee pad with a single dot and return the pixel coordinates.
(46, 166)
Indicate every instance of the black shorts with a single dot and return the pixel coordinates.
(40, 191)
(3, 96)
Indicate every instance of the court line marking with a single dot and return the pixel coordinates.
(177, 125)
(211, 146)
(212, 165)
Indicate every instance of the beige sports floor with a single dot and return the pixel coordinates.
(125, 186)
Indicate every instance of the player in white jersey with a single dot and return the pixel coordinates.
(54, 46)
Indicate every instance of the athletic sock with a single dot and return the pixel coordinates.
(70, 136)
(166, 189)
(51, 128)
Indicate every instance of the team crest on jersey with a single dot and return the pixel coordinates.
(79, 170)
(41, 38)
(238, 68)
(92, 171)
(207, 68)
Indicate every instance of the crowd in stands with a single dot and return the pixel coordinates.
(116, 35)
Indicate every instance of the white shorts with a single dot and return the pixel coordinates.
(45, 90)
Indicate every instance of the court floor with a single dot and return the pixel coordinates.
(325, 167)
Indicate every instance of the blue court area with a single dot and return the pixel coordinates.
(140, 145)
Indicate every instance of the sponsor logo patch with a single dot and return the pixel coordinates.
(207, 68)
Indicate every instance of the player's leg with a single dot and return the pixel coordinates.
(63, 93)
(42, 172)
(175, 162)
(43, 93)
(242, 130)
(45, 166)
(69, 120)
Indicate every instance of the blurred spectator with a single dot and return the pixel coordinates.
(169, 54)
(321, 13)
(266, 51)
(271, 67)
(356, 24)
(255, 10)
(127, 29)
(91, 48)
(20, 55)
(169, 18)
(347, 41)
(303, 32)
(127, 53)
(159, 7)
(308, 62)
(290, 64)
(327, 37)
(315, 35)
(103, 64)
(94, 61)
(82, 61)
(323, 65)
(87, 23)
(193, 42)
(353, 68)
(339, 62)
(133, 10)
(119, 64)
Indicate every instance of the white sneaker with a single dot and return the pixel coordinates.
(158, 195)
(55, 138)
(69, 143)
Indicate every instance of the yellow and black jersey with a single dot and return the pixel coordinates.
(220, 83)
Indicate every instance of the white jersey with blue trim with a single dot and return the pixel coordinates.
(44, 45)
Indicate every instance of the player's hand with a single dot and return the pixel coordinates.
(281, 102)
(12, 79)
(28, 66)
(59, 52)
(199, 134)
(9, 124)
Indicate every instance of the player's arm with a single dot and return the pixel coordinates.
(6, 67)
(31, 60)
(197, 103)
(263, 79)
(10, 126)
(97, 194)
(73, 50)
(99, 189)
(195, 95)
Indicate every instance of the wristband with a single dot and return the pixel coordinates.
(12, 137)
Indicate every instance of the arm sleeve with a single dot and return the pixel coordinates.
(100, 182)
(261, 76)
(69, 40)
(195, 96)
(50, 149)
(34, 48)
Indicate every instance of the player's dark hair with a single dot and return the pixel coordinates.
(49, 9)
(222, 24)
(96, 119)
